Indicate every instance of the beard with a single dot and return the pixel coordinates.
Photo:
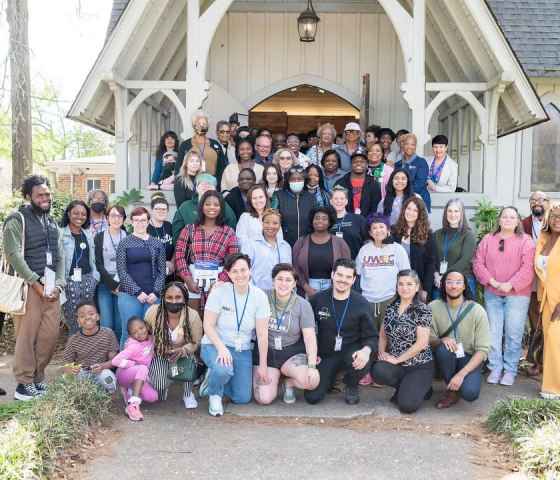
(40, 210)
(454, 297)
(537, 211)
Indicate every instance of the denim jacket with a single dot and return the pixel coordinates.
(69, 244)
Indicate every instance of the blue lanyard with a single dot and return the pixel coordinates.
(448, 243)
(340, 320)
(435, 173)
(280, 318)
(240, 320)
(456, 317)
(78, 257)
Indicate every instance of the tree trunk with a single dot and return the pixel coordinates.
(22, 163)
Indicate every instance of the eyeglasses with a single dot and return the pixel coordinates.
(115, 215)
(139, 220)
(285, 157)
(296, 169)
(160, 209)
(501, 245)
(457, 283)
(351, 131)
(224, 131)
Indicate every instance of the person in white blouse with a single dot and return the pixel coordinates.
(250, 224)
(443, 170)
(267, 250)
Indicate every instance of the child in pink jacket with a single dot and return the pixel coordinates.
(132, 368)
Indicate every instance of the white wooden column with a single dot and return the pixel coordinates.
(121, 137)
(491, 170)
(417, 82)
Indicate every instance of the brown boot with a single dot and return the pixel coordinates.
(449, 398)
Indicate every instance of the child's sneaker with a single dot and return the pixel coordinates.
(190, 401)
(133, 410)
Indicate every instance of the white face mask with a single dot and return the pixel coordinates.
(296, 187)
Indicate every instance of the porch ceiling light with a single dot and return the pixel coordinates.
(307, 24)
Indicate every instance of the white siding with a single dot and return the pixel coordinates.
(255, 51)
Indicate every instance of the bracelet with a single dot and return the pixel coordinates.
(310, 365)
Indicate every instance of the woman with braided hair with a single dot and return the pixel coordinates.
(177, 331)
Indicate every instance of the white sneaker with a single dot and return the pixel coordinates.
(289, 395)
(190, 401)
(215, 407)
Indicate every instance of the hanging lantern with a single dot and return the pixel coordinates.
(307, 24)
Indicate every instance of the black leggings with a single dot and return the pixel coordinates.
(412, 383)
(329, 367)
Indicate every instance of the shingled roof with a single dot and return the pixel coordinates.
(533, 29)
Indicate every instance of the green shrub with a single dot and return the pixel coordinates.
(540, 452)
(51, 423)
(485, 217)
(519, 417)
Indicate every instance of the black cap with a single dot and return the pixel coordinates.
(359, 153)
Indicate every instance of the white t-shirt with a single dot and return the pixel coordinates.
(378, 269)
(221, 301)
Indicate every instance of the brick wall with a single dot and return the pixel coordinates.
(64, 184)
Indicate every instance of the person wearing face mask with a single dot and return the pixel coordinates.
(366, 192)
(98, 201)
(41, 265)
(79, 254)
(187, 213)
(295, 205)
(237, 197)
(209, 149)
(177, 331)
(244, 154)
(352, 228)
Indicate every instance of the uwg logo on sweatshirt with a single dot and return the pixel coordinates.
(375, 261)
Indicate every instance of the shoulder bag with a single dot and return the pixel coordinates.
(14, 288)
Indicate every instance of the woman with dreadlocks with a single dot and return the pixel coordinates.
(177, 331)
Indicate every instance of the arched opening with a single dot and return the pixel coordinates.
(302, 108)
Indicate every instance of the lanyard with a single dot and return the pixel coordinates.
(44, 219)
(240, 320)
(447, 243)
(340, 320)
(279, 318)
(113, 243)
(436, 173)
(456, 317)
(78, 257)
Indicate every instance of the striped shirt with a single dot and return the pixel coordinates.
(87, 350)
(194, 245)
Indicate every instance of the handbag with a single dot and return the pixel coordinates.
(14, 288)
(185, 370)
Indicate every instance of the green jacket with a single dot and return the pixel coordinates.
(12, 238)
(473, 331)
(187, 213)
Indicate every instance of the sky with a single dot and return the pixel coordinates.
(65, 37)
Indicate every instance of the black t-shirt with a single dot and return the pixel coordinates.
(354, 231)
(320, 259)
(165, 235)
(357, 329)
(81, 255)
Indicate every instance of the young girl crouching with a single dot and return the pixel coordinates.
(133, 365)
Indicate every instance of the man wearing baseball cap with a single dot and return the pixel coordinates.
(351, 145)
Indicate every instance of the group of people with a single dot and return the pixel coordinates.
(281, 270)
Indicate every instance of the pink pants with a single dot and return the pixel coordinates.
(127, 376)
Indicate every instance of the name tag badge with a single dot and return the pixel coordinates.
(77, 275)
(443, 267)
(50, 278)
(174, 370)
(278, 343)
(49, 259)
(338, 343)
(339, 234)
(358, 211)
(238, 343)
(460, 351)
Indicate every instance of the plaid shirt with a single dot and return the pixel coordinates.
(194, 245)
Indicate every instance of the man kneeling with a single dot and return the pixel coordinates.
(346, 335)
(460, 339)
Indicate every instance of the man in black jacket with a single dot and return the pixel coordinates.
(346, 337)
(364, 190)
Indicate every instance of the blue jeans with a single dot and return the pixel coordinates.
(235, 382)
(130, 306)
(507, 315)
(449, 365)
(109, 309)
(320, 284)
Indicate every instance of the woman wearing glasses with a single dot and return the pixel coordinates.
(141, 270)
(295, 205)
(503, 265)
(285, 159)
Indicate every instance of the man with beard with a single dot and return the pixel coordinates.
(208, 149)
(538, 203)
(41, 265)
(346, 336)
(460, 340)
